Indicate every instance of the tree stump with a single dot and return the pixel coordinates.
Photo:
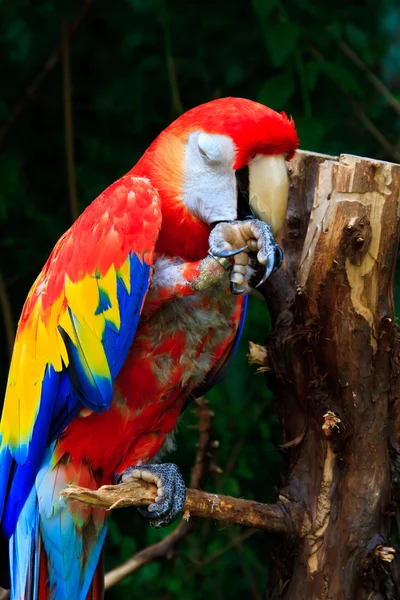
(335, 369)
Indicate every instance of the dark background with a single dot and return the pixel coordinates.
(134, 66)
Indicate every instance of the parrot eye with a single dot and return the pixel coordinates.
(211, 147)
(202, 152)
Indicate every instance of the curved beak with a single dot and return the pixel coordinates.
(269, 189)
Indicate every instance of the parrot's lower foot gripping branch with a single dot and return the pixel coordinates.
(236, 238)
(171, 492)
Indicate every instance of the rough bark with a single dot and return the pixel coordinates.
(332, 362)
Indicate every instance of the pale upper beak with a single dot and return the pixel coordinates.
(269, 189)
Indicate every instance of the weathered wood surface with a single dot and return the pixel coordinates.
(334, 371)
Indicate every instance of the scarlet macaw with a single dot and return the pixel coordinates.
(118, 332)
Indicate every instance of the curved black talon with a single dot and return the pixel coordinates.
(170, 503)
(235, 290)
(274, 262)
(278, 258)
(227, 253)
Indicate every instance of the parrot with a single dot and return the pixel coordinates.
(137, 311)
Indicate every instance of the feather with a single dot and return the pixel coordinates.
(219, 370)
(75, 331)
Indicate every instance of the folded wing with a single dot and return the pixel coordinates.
(75, 331)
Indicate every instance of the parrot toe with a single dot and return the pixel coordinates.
(273, 262)
(269, 252)
(171, 492)
(227, 253)
(235, 289)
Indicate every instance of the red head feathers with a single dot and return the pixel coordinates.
(188, 188)
(254, 128)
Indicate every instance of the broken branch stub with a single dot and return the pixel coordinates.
(332, 353)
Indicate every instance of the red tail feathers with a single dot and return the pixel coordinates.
(96, 591)
(43, 580)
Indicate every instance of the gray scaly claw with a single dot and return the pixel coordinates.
(171, 492)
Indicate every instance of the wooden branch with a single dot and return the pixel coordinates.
(279, 517)
(165, 549)
(205, 445)
(282, 517)
(335, 370)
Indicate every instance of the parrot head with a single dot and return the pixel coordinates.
(221, 161)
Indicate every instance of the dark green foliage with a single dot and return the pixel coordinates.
(135, 64)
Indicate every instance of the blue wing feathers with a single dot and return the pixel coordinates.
(58, 531)
(68, 574)
(25, 473)
(66, 406)
(104, 302)
(6, 462)
(32, 514)
(130, 308)
(23, 544)
(64, 393)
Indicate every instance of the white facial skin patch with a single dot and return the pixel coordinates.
(209, 189)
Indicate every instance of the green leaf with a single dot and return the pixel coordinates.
(281, 40)
(342, 76)
(263, 8)
(276, 91)
(232, 486)
(335, 29)
(312, 71)
(234, 75)
(311, 133)
(356, 36)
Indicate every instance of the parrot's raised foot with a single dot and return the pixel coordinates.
(258, 238)
(171, 492)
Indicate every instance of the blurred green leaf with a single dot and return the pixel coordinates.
(264, 7)
(281, 40)
(343, 76)
(311, 132)
(277, 90)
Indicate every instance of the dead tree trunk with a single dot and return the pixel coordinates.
(334, 373)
